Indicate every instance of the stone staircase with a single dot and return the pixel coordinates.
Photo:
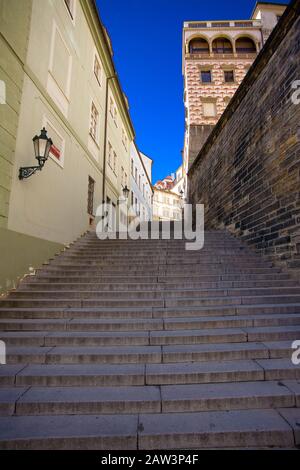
(143, 345)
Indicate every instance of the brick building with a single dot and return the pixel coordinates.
(216, 57)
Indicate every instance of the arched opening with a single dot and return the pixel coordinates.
(199, 46)
(222, 46)
(245, 46)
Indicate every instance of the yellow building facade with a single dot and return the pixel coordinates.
(58, 72)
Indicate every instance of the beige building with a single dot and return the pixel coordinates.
(216, 57)
(141, 194)
(57, 72)
(166, 205)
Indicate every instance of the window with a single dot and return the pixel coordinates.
(94, 122)
(70, 6)
(123, 177)
(91, 190)
(113, 110)
(136, 175)
(222, 46)
(229, 76)
(97, 70)
(209, 109)
(206, 76)
(110, 155)
(199, 46)
(115, 163)
(245, 45)
(124, 139)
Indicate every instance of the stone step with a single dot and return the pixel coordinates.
(82, 325)
(147, 354)
(39, 338)
(77, 375)
(148, 399)
(225, 351)
(77, 303)
(149, 312)
(86, 277)
(87, 355)
(157, 294)
(154, 338)
(137, 324)
(74, 375)
(58, 375)
(166, 273)
(93, 432)
(220, 371)
(225, 335)
(245, 300)
(122, 286)
(219, 429)
(146, 302)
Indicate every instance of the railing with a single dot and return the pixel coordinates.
(238, 55)
(223, 24)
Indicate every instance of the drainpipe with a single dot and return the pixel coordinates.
(105, 136)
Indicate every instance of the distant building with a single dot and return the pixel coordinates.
(141, 194)
(167, 183)
(216, 58)
(179, 183)
(166, 205)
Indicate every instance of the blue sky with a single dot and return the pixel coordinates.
(147, 41)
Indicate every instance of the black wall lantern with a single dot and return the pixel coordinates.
(126, 192)
(42, 145)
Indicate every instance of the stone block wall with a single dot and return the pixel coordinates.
(248, 172)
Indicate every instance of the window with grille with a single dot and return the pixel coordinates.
(94, 122)
(91, 190)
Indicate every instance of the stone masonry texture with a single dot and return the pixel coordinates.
(248, 173)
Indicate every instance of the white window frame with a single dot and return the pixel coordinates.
(96, 138)
(97, 58)
(46, 123)
(113, 110)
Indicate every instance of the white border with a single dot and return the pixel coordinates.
(55, 29)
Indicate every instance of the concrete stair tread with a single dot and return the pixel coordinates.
(169, 398)
(240, 429)
(220, 429)
(97, 432)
